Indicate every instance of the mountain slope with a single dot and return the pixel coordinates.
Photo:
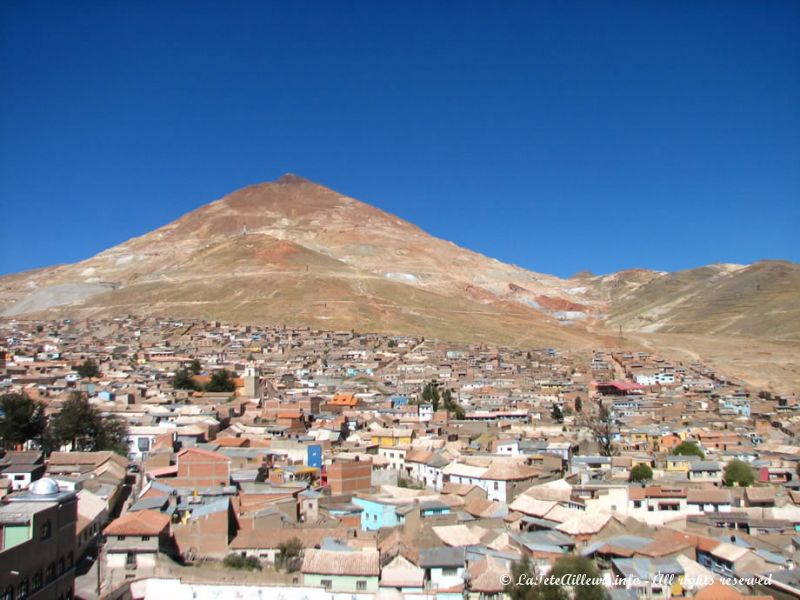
(296, 252)
(761, 300)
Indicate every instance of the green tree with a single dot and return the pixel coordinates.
(195, 367)
(688, 449)
(521, 571)
(239, 562)
(288, 553)
(430, 394)
(88, 369)
(22, 419)
(183, 380)
(524, 584)
(392, 344)
(592, 589)
(83, 427)
(557, 414)
(578, 404)
(738, 473)
(641, 472)
(451, 405)
(221, 381)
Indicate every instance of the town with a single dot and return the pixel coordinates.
(153, 458)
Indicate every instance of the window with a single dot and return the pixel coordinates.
(37, 581)
(326, 583)
(145, 538)
(637, 504)
(46, 528)
(8, 594)
(449, 572)
(120, 537)
(22, 590)
(361, 585)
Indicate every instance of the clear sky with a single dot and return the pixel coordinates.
(559, 136)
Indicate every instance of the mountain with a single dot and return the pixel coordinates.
(761, 300)
(295, 252)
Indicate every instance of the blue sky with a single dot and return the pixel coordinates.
(559, 136)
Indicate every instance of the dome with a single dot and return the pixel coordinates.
(44, 487)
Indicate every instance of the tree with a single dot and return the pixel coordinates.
(22, 419)
(591, 588)
(88, 369)
(451, 405)
(640, 473)
(430, 394)
(557, 414)
(195, 367)
(688, 449)
(524, 584)
(578, 404)
(83, 427)
(392, 344)
(603, 429)
(738, 473)
(239, 562)
(288, 552)
(183, 380)
(521, 570)
(221, 381)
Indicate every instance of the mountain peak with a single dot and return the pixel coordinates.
(292, 179)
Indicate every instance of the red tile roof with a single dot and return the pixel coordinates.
(143, 522)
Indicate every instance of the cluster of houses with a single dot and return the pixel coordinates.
(393, 466)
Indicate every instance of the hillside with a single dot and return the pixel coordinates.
(295, 252)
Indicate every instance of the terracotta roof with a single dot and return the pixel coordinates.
(201, 452)
(143, 522)
(401, 572)
(364, 562)
(709, 496)
(486, 575)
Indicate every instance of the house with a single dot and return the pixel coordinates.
(92, 517)
(206, 527)
(343, 570)
(705, 470)
(403, 576)
(708, 500)
(199, 468)
(37, 543)
(486, 577)
(22, 475)
(376, 512)
(134, 540)
(503, 479)
(349, 476)
(445, 569)
(389, 438)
